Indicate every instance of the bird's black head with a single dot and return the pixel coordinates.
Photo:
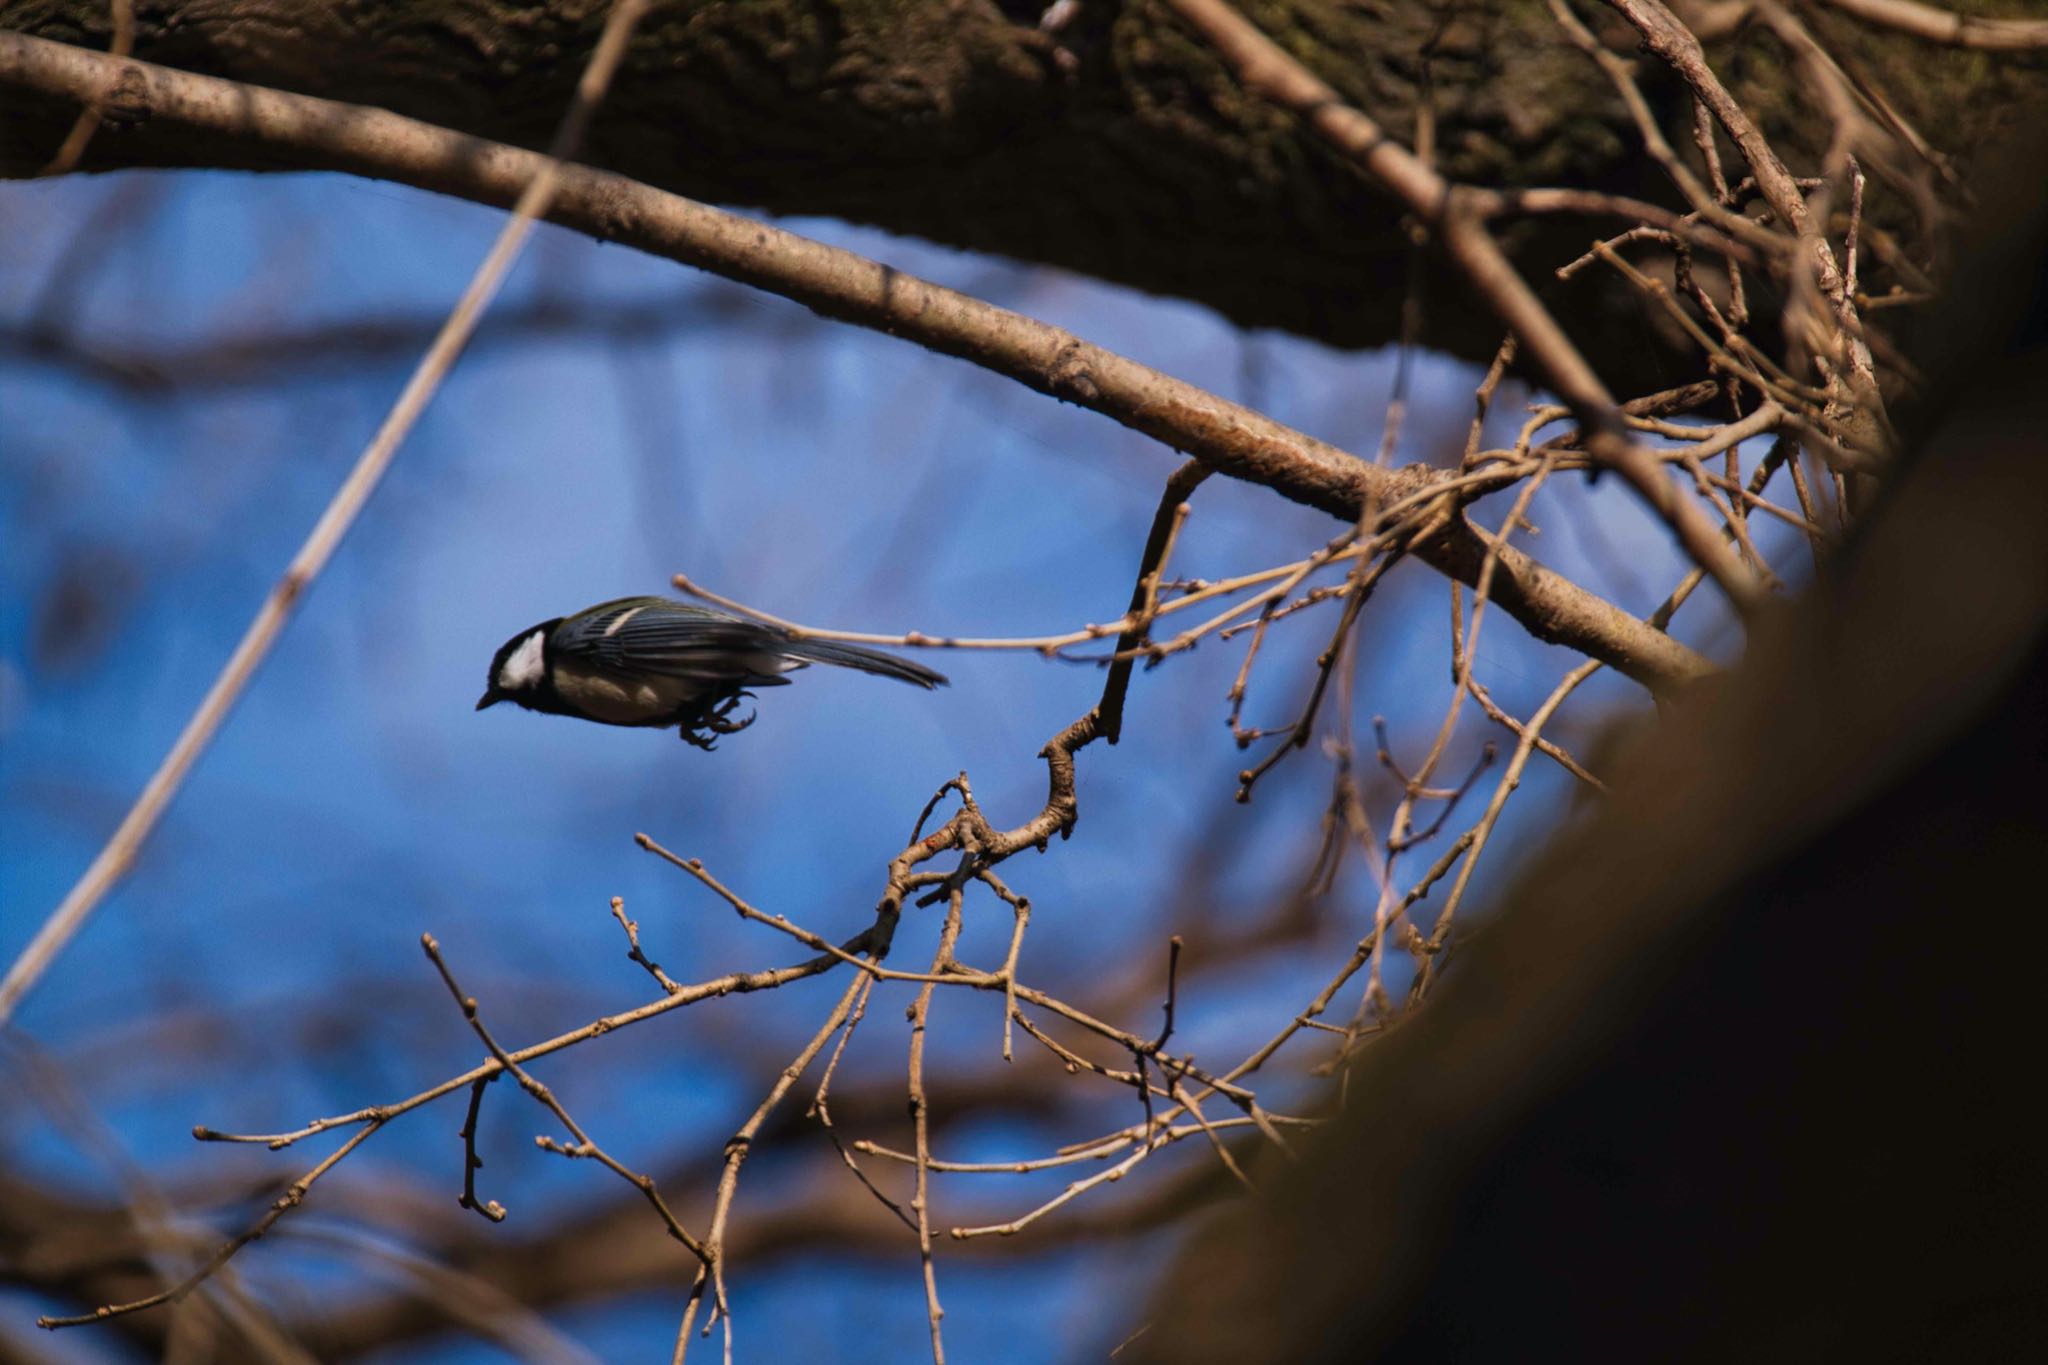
(519, 671)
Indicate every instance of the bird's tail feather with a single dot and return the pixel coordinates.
(866, 660)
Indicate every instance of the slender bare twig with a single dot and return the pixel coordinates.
(122, 14)
(822, 1107)
(633, 952)
(711, 1274)
(293, 1196)
(1676, 45)
(491, 1211)
(1440, 935)
(920, 1114)
(583, 1146)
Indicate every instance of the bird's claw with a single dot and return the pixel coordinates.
(719, 725)
(703, 732)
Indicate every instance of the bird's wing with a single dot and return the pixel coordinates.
(652, 635)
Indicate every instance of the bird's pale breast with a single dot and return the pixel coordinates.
(623, 701)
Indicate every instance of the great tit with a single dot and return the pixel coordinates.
(651, 661)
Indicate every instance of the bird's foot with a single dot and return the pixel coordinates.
(703, 732)
(718, 720)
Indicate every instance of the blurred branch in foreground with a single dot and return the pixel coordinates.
(1740, 1069)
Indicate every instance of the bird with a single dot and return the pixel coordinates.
(652, 661)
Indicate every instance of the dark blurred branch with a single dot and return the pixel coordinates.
(616, 1251)
(275, 356)
(85, 1252)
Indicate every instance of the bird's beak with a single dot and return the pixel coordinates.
(490, 698)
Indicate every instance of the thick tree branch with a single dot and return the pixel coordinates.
(1451, 211)
(840, 284)
(1088, 145)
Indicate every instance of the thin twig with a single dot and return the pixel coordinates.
(583, 1146)
(492, 1211)
(122, 13)
(920, 1113)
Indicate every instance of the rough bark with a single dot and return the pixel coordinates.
(1118, 146)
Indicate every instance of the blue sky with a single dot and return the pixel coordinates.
(355, 801)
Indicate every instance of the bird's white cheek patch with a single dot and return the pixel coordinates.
(525, 665)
